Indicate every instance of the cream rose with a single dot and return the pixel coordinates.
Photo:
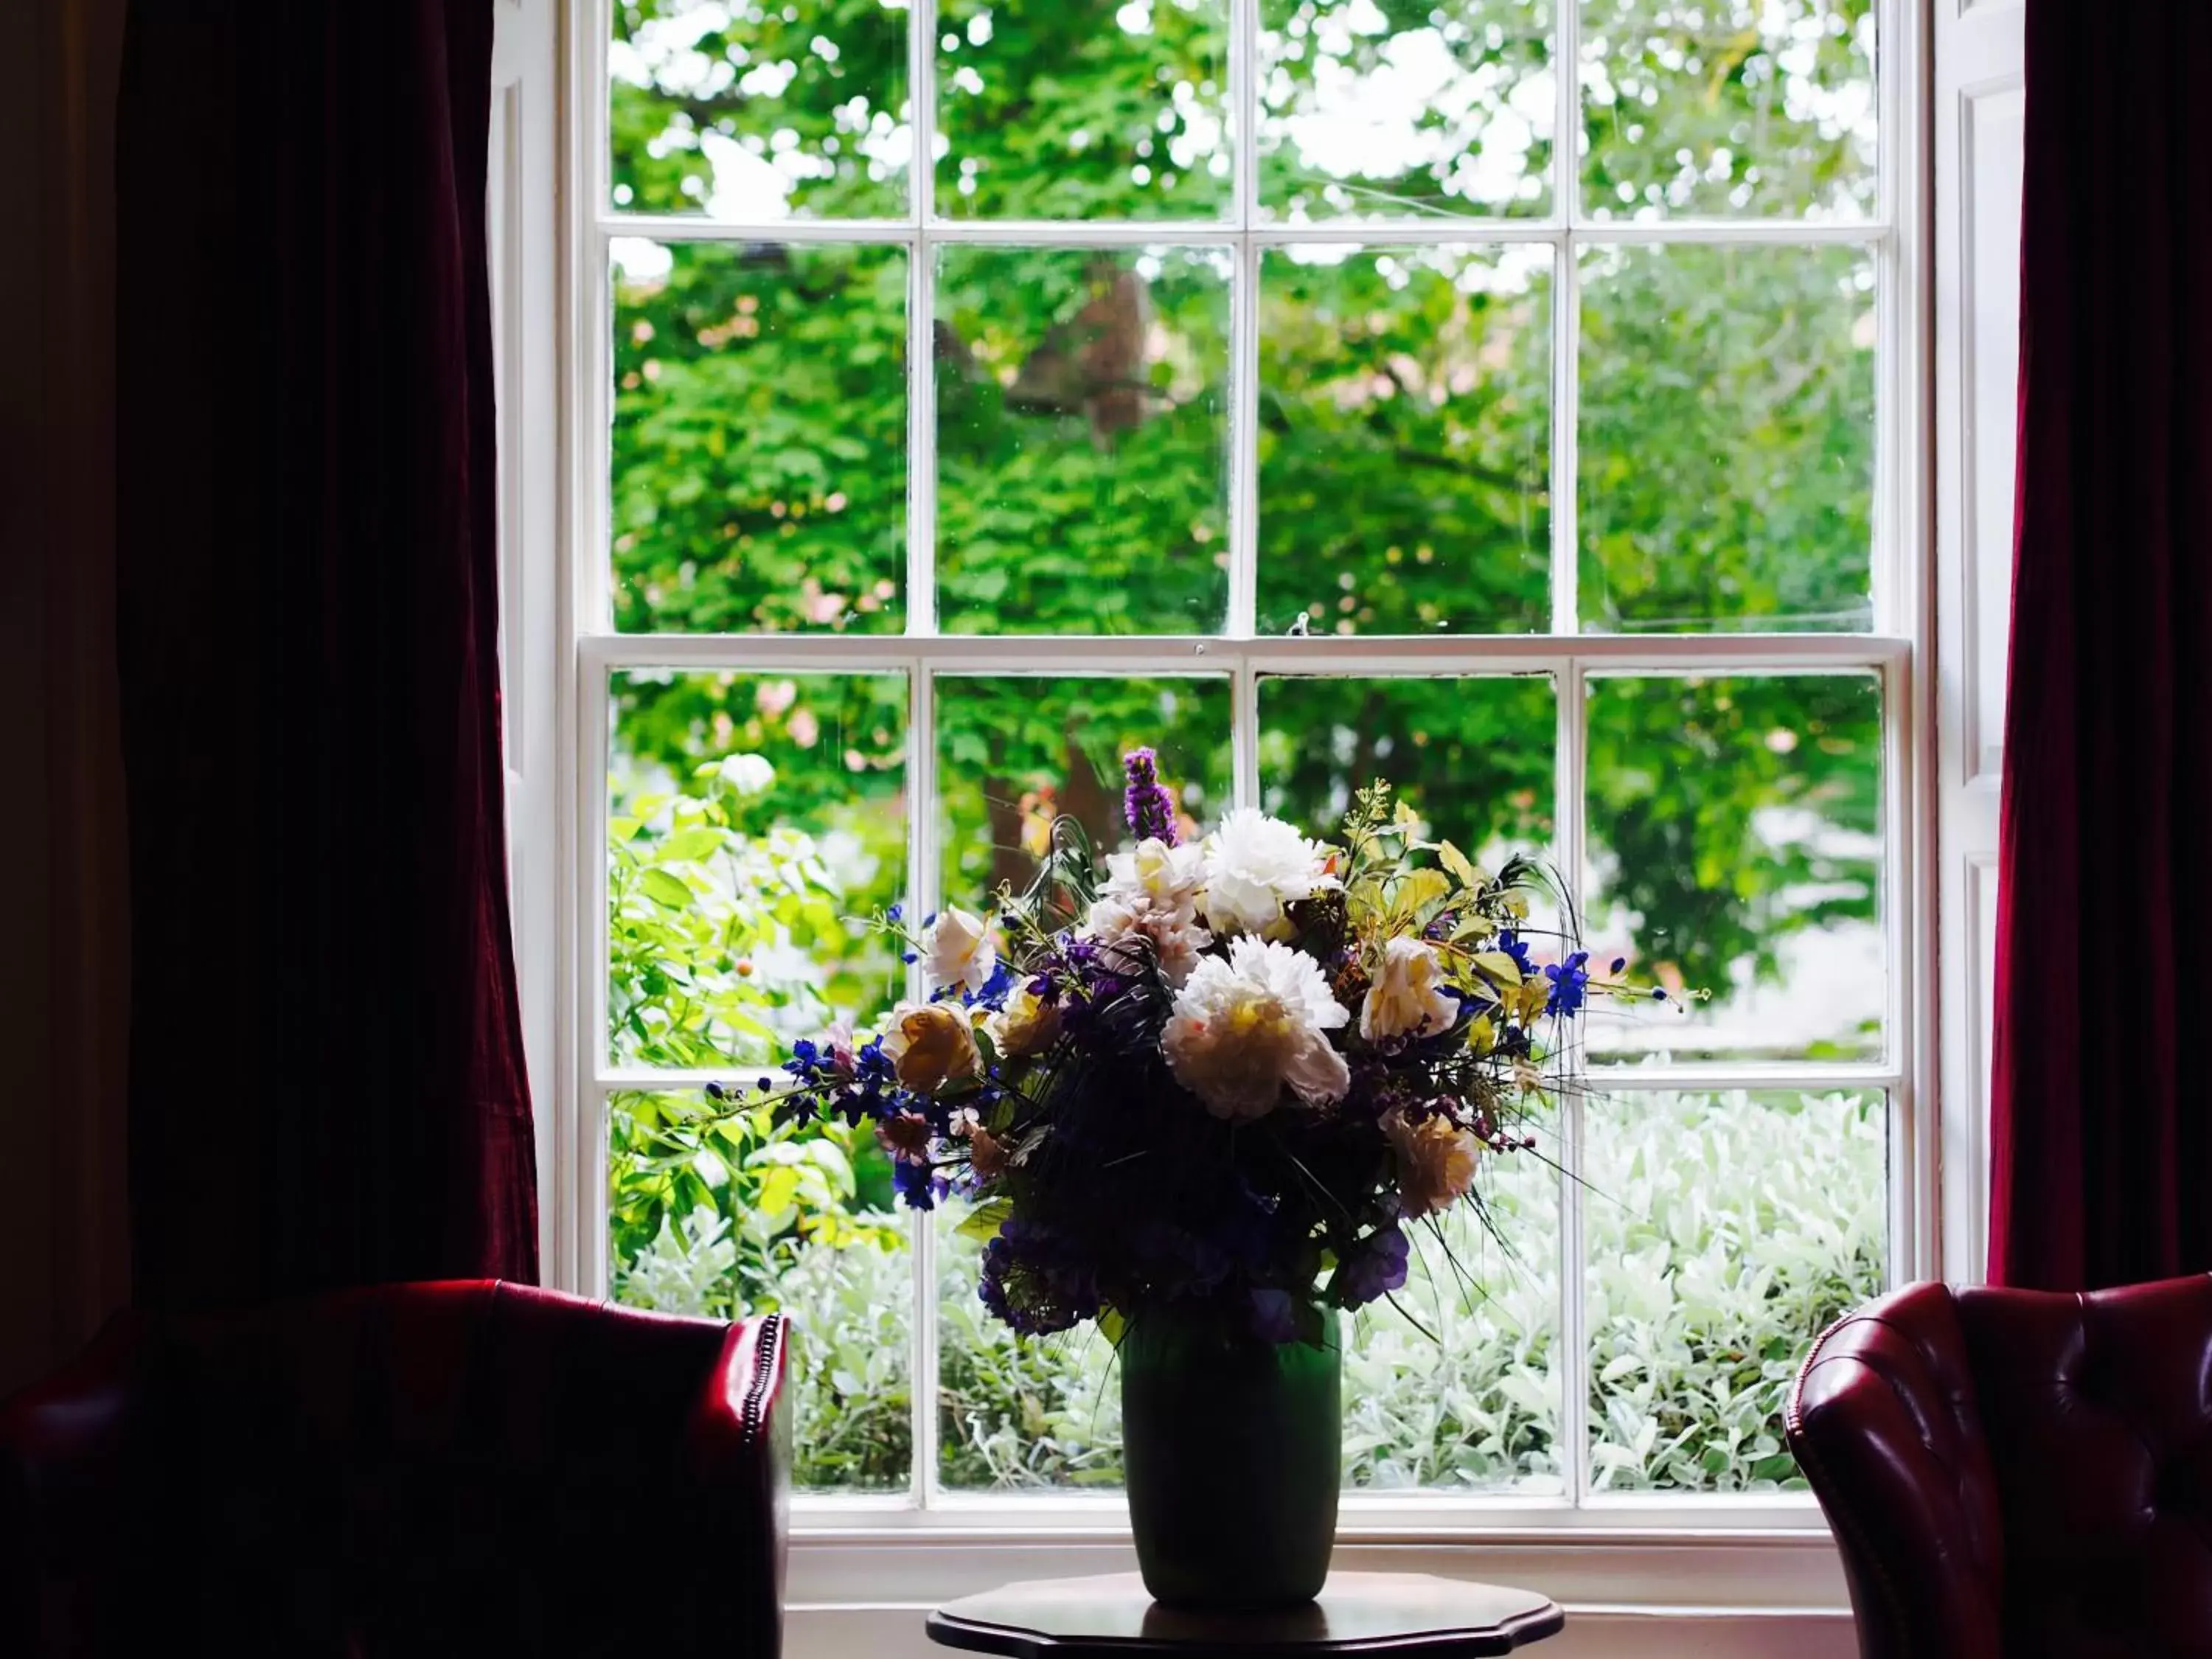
(958, 951)
(1164, 877)
(1025, 1026)
(1436, 1160)
(1407, 998)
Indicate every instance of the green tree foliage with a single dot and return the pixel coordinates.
(1405, 441)
(1463, 102)
(743, 501)
(1406, 426)
(1082, 486)
(1081, 109)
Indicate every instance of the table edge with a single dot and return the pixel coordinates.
(1018, 1642)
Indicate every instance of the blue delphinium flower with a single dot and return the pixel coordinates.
(1518, 948)
(919, 1184)
(993, 992)
(858, 1084)
(1569, 985)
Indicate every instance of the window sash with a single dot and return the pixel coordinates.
(1571, 662)
(1898, 556)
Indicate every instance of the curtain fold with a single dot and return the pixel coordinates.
(326, 1077)
(2101, 1122)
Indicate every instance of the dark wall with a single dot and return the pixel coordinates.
(63, 949)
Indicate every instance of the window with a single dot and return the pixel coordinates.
(1565, 483)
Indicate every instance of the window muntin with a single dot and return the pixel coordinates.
(1261, 310)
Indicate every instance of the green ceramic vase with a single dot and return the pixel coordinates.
(1231, 1444)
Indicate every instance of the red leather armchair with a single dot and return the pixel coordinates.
(2017, 1473)
(473, 1468)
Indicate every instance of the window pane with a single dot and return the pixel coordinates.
(1452, 1385)
(1015, 752)
(1727, 438)
(1017, 1412)
(1478, 1405)
(1735, 847)
(1405, 439)
(1725, 1231)
(1083, 471)
(728, 1217)
(753, 114)
(756, 821)
(1083, 109)
(759, 443)
(1763, 107)
(1451, 1388)
(1474, 755)
(1446, 109)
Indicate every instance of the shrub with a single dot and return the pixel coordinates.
(1724, 1232)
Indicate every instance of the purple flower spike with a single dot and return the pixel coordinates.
(1147, 803)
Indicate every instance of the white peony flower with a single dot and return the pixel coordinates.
(1152, 894)
(1254, 866)
(957, 950)
(1244, 1028)
(1176, 938)
(1407, 998)
(1162, 877)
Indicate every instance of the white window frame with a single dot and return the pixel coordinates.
(1760, 1552)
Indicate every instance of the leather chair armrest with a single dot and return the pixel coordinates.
(1883, 1422)
(743, 1434)
(67, 1521)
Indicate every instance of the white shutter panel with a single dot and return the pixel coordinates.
(1977, 133)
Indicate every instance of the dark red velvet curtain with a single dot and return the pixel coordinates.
(326, 1075)
(2103, 1107)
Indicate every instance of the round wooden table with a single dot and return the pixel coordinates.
(1402, 1614)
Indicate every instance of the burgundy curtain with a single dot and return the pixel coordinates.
(2102, 1102)
(326, 1078)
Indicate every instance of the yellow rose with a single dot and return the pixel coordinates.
(930, 1046)
(1436, 1160)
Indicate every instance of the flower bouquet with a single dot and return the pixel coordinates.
(1199, 1097)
